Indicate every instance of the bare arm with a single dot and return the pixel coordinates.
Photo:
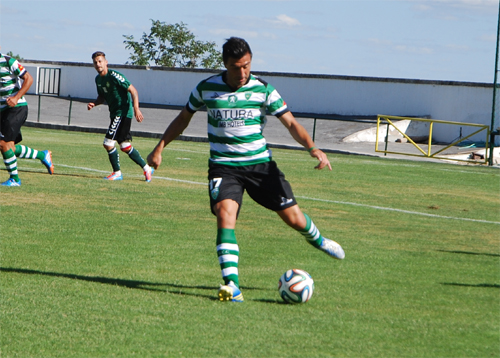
(27, 81)
(300, 134)
(173, 131)
(135, 101)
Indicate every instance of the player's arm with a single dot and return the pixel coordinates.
(300, 134)
(174, 130)
(27, 82)
(135, 102)
(100, 100)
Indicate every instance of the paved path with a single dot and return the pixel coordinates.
(55, 113)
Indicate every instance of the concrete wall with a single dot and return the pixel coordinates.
(340, 95)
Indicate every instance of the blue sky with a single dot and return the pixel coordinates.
(416, 39)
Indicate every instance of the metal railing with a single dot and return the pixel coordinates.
(388, 120)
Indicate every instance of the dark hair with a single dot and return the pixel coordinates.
(97, 54)
(235, 47)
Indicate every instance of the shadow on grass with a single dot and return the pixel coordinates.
(135, 284)
(470, 253)
(488, 285)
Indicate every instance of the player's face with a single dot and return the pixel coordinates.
(101, 65)
(238, 71)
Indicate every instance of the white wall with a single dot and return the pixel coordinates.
(342, 95)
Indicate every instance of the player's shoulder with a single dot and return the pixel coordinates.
(259, 80)
(214, 79)
(8, 60)
(117, 75)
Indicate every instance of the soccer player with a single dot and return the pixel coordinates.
(240, 159)
(14, 83)
(116, 90)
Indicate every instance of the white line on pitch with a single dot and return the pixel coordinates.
(315, 199)
(400, 210)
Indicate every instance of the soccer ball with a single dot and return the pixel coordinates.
(296, 286)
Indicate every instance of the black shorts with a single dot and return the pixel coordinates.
(119, 129)
(12, 119)
(264, 183)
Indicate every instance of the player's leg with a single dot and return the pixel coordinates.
(10, 161)
(137, 158)
(228, 250)
(10, 133)
(44, 156)
(301, 222)
(114, 159)
(226, 195)
(124, 137)
(268, 187)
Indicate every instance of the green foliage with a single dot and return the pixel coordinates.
(172, 45)
(91, 268)
(17, 57)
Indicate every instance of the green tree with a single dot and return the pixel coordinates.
(17, 57)
(172, 46)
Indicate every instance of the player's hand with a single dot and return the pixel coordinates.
(90, 106)
(323, 159)
(12, 101)
(138, 115)
(154, 158)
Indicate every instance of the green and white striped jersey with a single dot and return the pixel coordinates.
(10, 80)
(236, 119)
(113, 86)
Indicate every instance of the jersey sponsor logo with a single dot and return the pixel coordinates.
(232, 99)
(231, 113)
(230, 124)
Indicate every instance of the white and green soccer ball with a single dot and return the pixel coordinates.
(296, 286)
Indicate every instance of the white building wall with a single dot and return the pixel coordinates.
(342, 95)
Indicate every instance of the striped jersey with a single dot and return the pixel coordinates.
(236, 119)
(11, 72)
(113, 86)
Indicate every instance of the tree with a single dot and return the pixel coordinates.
(17, 57)
(172, 46)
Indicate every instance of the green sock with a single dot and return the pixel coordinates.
(114, 159)
(228, 253)
(136, 157)
(23, 151)
(10, 160)
(311, 233)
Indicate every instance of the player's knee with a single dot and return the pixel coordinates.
(109, 144)
(126, 147)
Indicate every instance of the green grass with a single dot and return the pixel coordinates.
(91, 268)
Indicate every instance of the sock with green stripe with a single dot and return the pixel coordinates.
(23, 151)
(311, 233)
(228, 253)
(10, 161)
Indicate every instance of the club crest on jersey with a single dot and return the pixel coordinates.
(248, 95)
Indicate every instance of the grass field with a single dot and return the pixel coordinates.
(91, 268)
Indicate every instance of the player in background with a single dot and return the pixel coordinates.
(116, 90)
(15, 81)
(240, 159)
